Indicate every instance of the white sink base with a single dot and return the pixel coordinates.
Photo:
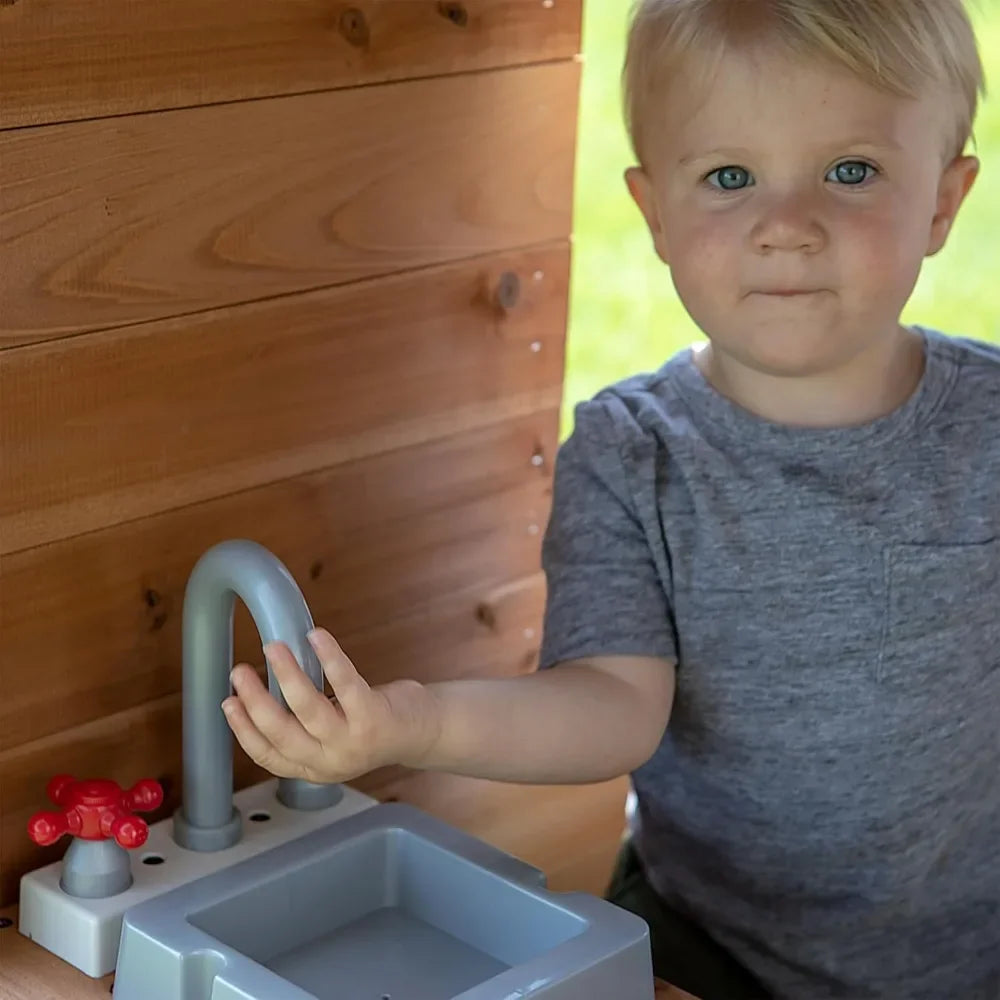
(86, 932)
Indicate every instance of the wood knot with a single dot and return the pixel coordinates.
(508, 291)
(454, 12)
(354, 27)
(485, 615)
(154, 601)
(316, 570)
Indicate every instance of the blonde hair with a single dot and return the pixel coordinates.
(896, 45)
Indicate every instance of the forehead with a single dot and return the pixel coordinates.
(769, 101)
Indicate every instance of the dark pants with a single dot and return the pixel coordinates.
(683, 954)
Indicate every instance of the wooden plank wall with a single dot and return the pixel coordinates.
(293, 270)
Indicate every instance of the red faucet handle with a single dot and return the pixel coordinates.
(96, 809)
(47, 827)
(59, 787)
(145, 795)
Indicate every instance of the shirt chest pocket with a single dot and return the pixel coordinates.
(942, 622)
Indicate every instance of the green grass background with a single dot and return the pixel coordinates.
(624, 314)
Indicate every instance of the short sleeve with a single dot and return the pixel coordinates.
(605, 596)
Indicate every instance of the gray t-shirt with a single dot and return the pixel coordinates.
(825, 801)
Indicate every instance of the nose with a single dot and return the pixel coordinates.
(791, 223)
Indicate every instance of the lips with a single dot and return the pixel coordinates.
(786, 294)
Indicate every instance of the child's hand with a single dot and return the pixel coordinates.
(362, 729)
(665, 992)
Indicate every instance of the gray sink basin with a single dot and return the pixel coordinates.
(388, 904)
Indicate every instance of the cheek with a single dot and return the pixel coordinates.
(883, 249)
(704, 254)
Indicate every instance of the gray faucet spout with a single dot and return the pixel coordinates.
(207, 819)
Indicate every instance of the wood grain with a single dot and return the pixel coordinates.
(370, 543)
(569, 832)
(120, 221)
(128, 423)
(117, 56)
(443, 640)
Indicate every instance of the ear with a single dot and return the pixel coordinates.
(641, 189)
(956, 182)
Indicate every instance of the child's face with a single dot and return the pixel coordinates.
(798, 178)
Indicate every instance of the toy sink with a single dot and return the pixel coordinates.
(335, 897)
(387, 904)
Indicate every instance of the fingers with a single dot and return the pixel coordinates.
(257, 747)
(313, 738)
(318, 717)
(349, 687)
(281, 729)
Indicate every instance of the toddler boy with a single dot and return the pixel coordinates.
(773, 564)
(804, 516)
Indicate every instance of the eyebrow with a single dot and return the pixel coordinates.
(884, 145)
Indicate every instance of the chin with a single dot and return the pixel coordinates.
(787, 353)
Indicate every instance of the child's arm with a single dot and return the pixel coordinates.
(664, 991)
(579, 722)
(583, 721)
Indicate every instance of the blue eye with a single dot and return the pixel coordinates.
(731, 178)
(851, 172)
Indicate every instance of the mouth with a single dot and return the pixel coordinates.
(787, 293)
